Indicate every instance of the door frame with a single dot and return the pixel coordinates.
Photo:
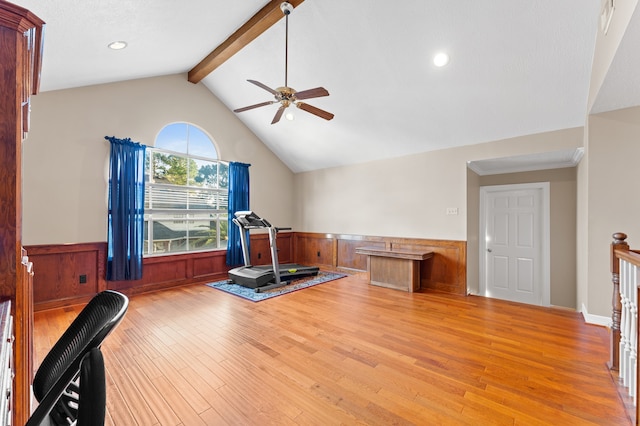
(545, 210)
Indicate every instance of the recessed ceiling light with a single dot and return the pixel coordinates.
(117, 45)
(441, 59)
(289, 116)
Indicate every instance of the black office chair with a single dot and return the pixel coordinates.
(92, 393)
(54, 384)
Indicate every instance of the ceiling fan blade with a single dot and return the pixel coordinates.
(254, 106)
(314, 110)
(278, 115)
(264, 86)
(312, 93)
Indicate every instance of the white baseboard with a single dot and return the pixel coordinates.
(595, 319)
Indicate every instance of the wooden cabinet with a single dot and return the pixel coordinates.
(24, 344)
(397, 269)
(6, 362)
(20, 63)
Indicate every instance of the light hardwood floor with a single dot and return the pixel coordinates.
(348, 353)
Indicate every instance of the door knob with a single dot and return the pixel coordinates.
(489, 250)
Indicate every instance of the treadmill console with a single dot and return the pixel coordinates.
(248, 219)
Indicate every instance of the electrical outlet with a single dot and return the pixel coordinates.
(452, 211)
(83, 279)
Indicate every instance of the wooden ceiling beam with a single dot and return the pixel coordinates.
(259, 23)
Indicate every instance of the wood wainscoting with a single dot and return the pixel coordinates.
(60, 268)
(160, 272)
(68, 274)
(446, 271)
(260, 250)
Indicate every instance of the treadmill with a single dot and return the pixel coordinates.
(264, 277)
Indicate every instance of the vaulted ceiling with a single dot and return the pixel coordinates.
(516, 68)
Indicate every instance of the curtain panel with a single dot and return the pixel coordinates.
(126, 210)
(238, 201)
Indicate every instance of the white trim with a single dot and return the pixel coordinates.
(595, 319)
(546, 248)
(545, 209)
(527, 162)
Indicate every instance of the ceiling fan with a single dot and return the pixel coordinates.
(285, 95)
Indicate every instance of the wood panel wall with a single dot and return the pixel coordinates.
(162, 272)
(445, 271)
(260, 250)
(59, 269)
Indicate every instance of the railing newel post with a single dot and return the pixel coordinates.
(618, 243)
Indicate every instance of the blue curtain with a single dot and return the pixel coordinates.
(238, 201)
(126, 210)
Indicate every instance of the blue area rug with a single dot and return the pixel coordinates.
(299, 284)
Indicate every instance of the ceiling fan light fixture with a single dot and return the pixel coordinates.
(117, 45)
(286, 7)
(440, 59)
(285, 95)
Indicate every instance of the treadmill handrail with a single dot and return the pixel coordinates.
(245, 220)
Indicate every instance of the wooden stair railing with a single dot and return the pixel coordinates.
(625, 275)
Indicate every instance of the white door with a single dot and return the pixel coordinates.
(514, 253)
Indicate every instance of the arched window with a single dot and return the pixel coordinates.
(186, 192)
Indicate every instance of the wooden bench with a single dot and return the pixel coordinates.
(394, 268)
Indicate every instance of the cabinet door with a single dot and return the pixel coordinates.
(6, 361)
(20, 62)
(24, 339)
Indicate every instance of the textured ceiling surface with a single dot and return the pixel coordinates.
(516, 68)
(621, 88)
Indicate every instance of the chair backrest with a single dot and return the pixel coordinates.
(92, 397)
(101, 315)
(62, 364)
(84, 405)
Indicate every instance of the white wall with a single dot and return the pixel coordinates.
(607, 45)
(407, 196)
(593, 280)
(613, 199)
(66, 157)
